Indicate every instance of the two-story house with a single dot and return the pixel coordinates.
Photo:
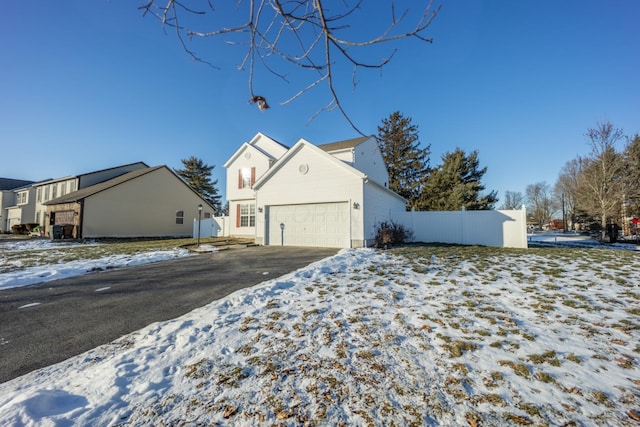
(249, 162)
(14, 195)
(54, 188)
(332, 195)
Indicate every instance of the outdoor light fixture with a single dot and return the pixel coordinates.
(356, 205)
(199, 222)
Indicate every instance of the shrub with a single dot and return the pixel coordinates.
(388, 233)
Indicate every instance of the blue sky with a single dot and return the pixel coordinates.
(87, 85)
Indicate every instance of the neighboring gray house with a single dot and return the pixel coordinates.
(22, 202)
(54, 188)
(9, 200)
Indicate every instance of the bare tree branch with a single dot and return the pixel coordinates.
(302, 33)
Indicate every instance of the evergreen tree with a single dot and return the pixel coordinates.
(407, 163)
(455, 184)
(198, 175)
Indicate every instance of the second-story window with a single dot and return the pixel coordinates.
(246, 177)
(54, 191)
(39, 194)
(46, 193)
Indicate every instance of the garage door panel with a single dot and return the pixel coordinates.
(320, 225)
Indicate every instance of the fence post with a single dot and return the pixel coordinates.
(462, 226)
(524, 226)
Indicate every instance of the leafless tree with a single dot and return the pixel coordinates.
(600, 186)
(540, 204)
(312, 35)
(565, 190)
(512, 200)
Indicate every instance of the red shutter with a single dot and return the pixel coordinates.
(237, 216)
(240, 179)
(253, 175)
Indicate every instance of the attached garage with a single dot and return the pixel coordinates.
(313, 224)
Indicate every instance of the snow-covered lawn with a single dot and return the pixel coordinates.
(22, 263)
(422, 336)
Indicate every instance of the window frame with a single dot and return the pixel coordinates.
(246, 215)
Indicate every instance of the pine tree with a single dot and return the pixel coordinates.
(198, 175)
(456, 184)
(407, 163)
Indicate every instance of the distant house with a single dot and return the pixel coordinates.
(331, 195)
(54, 188)
(14, 195)
(145, 202)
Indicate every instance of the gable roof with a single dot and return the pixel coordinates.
(10, 184)
(76, 196)
(142, 164)
(293, 151)
(252, 144)
(343, 145)
(82, 194)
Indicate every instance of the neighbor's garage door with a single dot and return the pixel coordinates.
(319, 225)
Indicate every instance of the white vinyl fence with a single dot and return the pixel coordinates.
(212, 227)
(502, 228)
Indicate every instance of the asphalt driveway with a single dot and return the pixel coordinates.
(41, 325)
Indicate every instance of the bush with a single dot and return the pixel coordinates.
(388, 233)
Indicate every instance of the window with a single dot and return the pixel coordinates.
(179, 217)
(63, 188)
(39, 195)
(246, 216)
(72, 186)
(246, 177)
(54, 191)
(46, 193)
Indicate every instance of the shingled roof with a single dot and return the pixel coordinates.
(10, 184)
(343, 145)
(76, 196)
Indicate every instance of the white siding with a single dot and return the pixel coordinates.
(268, 145)
(369, 161)
(248, 158)
(344, 155)
(379, 204)
(325, 181)
(234, 228)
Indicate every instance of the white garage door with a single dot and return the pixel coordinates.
(319, 225)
